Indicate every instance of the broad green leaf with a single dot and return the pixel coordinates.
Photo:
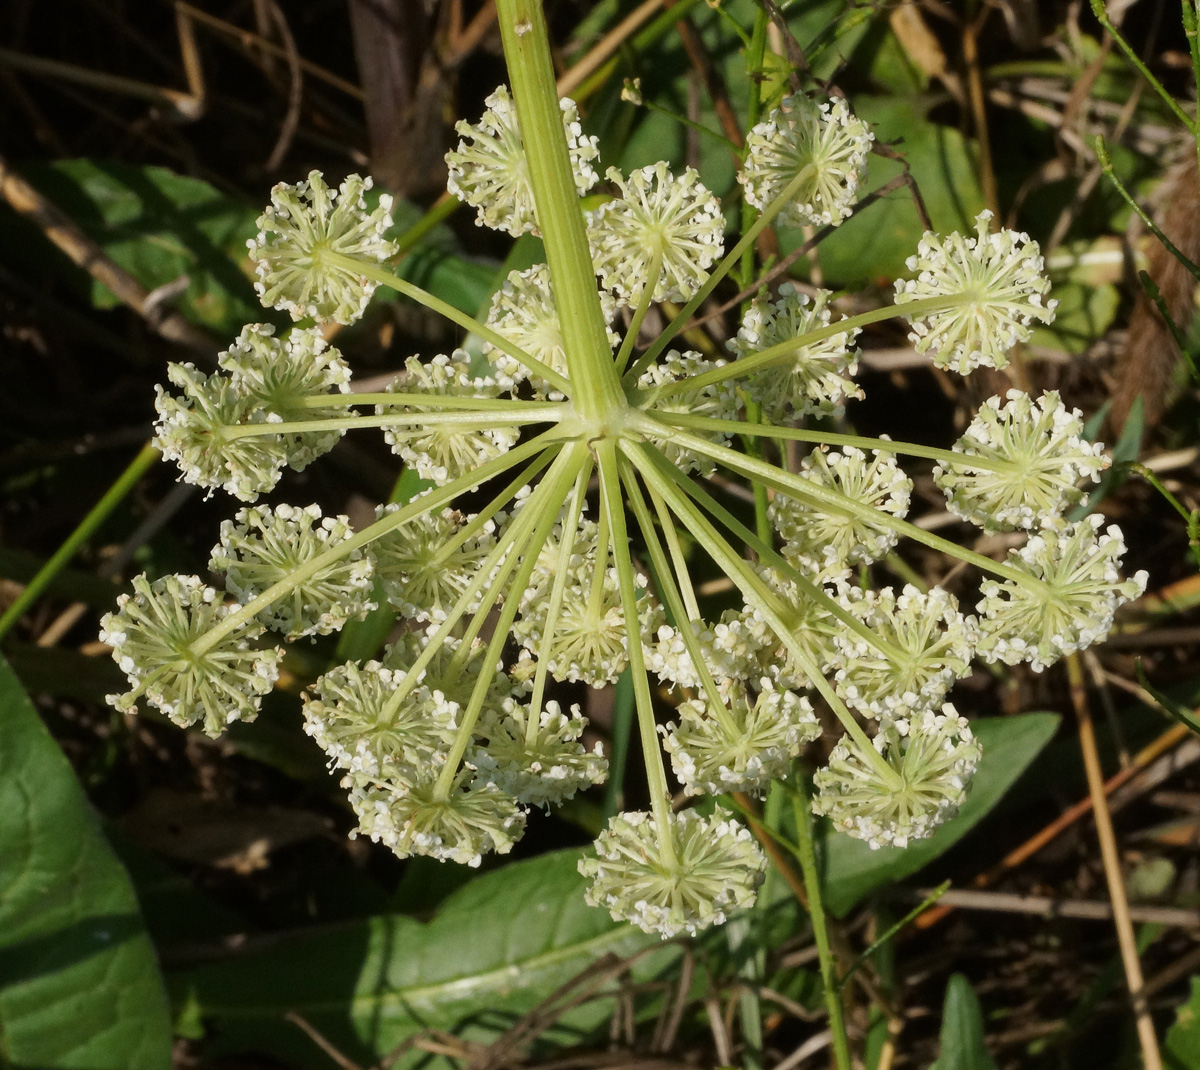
(497, 946)
(1009, 744)
(962, 1046)
(79, 985)
(1182, 1048)
(160, 226)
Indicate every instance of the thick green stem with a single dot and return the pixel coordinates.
(96, 516)
(816, 911)
(596, 389)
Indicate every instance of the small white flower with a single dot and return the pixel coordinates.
(932, 757)
(1020, 464)
(658, 214)
(827, 141)
(1075, 591)
(305, 222)
(924, 645)
(262, 546)
(717, 401)
(440, 452)
(767, 732)
(153, 634)
(490, 172)
(815, 378)
(1002, 278)
(714, 868)
(826, 543)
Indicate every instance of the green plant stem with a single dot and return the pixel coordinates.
(673, 598)
(1191, 519)
(441, 210)
(779, 354)
(557, 482)
(387, 278)
(434, 499)
(643, 306)
(656, 777)
(798, 487)
(658, 473)
(832, 989)
(1106, 166)
(96, 516)
(597, 391)
(830, 438)
(516, 416)
(428, 401)
(1099, 10)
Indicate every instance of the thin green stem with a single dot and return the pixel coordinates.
(559, 479)
(652, 466)
(566, 549)
(719, 272)
(656, 776)
(672, 596)
(643, 306)
(829, 438)
(597, 389)
(784, 351)
(1106, 166)
(96, 516)
(768, 555)
(1098, 9)
(807, 490)
(514, 415)
(816, 911)
(435, 498)
(386, 278)
(429, 401)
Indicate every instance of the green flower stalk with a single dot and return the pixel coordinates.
(450, 737)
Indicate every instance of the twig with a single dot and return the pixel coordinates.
(291, 118)
(607, 46)
(315, 1036)
(1049, 907)
(28, 202)
(1169, 739)
(1122, 922)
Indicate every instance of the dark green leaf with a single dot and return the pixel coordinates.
(495, 948)
(1182, 1049)
(962, 1030)
(1009, 745)
(79, 985)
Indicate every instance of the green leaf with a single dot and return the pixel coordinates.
(497, 946)
(962, 1046)
(79, 985)
(1009, 744)
(1182, 1048)
(876, 242)
(160, 226)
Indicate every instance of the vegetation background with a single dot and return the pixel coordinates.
(166, 900)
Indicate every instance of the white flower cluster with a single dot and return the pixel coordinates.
(447, 740)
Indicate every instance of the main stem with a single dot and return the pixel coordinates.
(595, 387)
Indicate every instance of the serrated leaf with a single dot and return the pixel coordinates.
(853, 869)
(497, 946)
(79, 985)
(962, 1046)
